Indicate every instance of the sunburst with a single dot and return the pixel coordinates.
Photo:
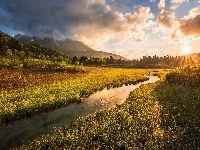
(186, 50)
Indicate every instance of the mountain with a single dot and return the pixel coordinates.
(11, 46)
(67, 46)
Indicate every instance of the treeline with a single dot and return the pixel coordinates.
(112, 62)
(145, 62)
(17, 54)
(172, 61)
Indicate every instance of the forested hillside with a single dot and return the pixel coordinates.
(15, 54)
(68, 46)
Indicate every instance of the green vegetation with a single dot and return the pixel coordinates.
(187, 75)
(17, 103)
(162, 115)
(67, 46)
(12, 48)
(19, 100)
(180, 115)
(18, 55)
(134, 124)
(81, 54)
(87, 56)
(39, 64)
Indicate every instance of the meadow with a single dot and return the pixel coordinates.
(162, 115)
(25, 93)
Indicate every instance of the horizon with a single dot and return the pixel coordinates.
(131, 29)
(151, 56)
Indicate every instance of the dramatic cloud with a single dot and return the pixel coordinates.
(189, 25)
(188, 29)
(111, 25)
(139, 18)
(165, 18)
(30, 16)
(93, 21)
(99, 23)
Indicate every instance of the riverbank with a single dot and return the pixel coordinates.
(155, 116)
(32, 128)
(27, 102)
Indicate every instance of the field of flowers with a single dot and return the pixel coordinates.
(31, 93)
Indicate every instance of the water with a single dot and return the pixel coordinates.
(32, 128)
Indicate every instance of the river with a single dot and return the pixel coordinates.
(31, 128)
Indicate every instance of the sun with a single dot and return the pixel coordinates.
(186, 50)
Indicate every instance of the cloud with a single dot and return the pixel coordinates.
(189, 28)
(140, 16)
(188, 25)
(161, 4)
(111, 24)
(165, 18)
(152, 1)
(193, 12)
(177, 1)
(176, 4)
(94, 22)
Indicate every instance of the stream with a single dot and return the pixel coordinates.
(31, 128)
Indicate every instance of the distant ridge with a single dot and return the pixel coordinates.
(9, 43)
(67, 46)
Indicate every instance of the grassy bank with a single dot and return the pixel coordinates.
(188, 75)
(134, 124)
(155, 116)
(26, 102)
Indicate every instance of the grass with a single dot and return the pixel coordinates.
(134, 124)
(188, 75)
(38, 64)
(43, 95)
(180, 115)
(161, 115)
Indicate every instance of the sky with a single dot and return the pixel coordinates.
(130, 28)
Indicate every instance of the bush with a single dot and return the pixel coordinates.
(187, 75)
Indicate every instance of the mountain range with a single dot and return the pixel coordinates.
(67, 46)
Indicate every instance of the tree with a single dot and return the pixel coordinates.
(60, 58)
(112, 60)
(83, 59)
(74, 59)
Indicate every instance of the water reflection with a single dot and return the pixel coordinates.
(29, 129)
